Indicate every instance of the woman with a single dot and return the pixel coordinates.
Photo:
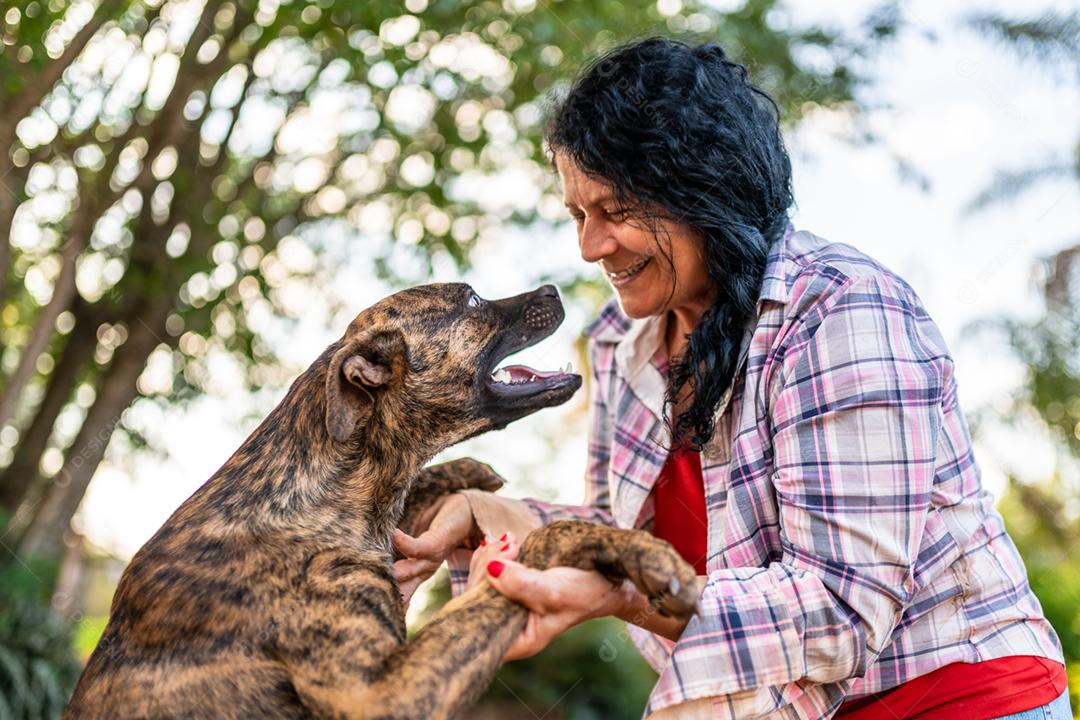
(820, 473)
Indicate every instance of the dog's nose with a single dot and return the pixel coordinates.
(548, 291)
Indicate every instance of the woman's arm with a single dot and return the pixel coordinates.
(855, 422)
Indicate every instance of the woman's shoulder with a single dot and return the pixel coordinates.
(818, 270)
(838, 287)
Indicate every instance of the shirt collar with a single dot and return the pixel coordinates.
(774, 286)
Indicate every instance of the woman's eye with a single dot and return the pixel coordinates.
(475, 301)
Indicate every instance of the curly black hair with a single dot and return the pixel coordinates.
(679, 132)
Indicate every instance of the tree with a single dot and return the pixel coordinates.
(1053, 41)
(169, 167)
(1042, 517)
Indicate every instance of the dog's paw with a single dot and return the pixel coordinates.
(660, 573)
(437, 481)
(463, 474)
(653, 565)
(477, 475)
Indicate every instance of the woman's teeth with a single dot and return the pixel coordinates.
(632, 270)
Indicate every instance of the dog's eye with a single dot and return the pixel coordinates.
(475, 301)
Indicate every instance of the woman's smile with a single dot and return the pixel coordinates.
(621, 278)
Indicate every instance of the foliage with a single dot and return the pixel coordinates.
(1052, 41)
(1049, 350)
(38, 668)
(1047, 39)
(186, 179)
(591, 672)
(1043, 517)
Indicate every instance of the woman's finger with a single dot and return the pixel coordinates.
(520, 583)
(452, 524)
(410, 568)
(502, 548)
(431, 545)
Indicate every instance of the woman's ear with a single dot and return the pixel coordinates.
(358, 371)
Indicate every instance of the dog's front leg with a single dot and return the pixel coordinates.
(443, 670)
(437, 674)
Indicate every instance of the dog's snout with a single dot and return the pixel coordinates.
(545, 311)
(541, 317)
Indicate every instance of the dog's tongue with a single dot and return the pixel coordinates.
(524, 373)
(520, 374)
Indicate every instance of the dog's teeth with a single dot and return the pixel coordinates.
(502, 376)
(674, 586)
(569, 368)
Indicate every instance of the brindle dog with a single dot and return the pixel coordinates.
(270, 593)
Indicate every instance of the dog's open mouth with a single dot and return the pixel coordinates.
(512, 391)
(516, 381)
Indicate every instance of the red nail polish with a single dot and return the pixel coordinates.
(503, 537)
(504, 548)
(495, 568)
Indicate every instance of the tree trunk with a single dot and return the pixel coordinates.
(116, 390)
(45, 324)
(7, 213)
(23, 472)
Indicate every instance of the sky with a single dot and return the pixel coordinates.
(958, 108)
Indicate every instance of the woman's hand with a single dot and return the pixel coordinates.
(558, 598)
(451, 524)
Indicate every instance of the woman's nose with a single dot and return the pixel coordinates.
(596, 241)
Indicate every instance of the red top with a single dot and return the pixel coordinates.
(973, 691)
(679, 497)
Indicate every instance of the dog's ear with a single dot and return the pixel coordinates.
(357, 370)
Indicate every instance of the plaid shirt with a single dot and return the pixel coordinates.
(851, 545)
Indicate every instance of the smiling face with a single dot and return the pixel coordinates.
(630, 253)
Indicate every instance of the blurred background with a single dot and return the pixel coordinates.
(197, 196)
